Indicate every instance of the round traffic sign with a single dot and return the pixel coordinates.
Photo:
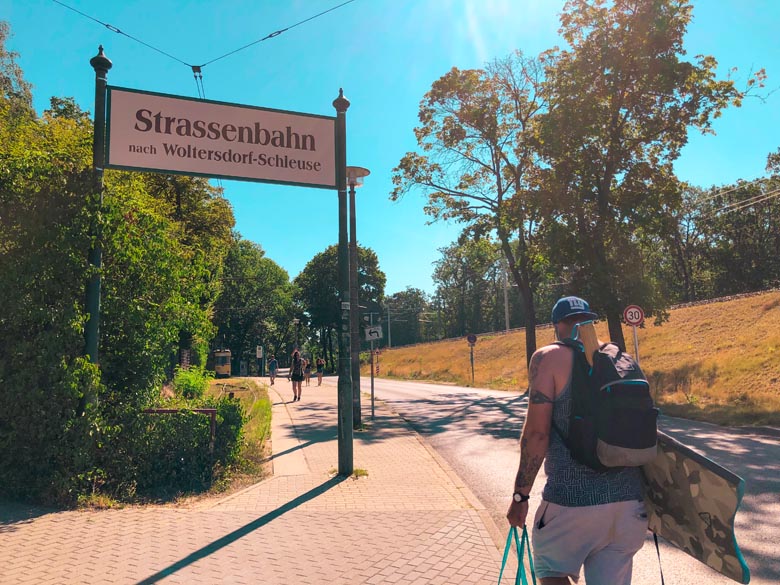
(471, 338)
(633, 315)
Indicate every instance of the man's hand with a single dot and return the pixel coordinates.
(518, 511)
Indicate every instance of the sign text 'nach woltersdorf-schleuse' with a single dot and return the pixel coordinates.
(148, 131)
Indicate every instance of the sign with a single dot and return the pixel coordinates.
(471, 338)
(373, 332)
(259, 352)
(157, 132)
(633, 315)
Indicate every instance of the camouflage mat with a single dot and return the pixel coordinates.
(691, 502)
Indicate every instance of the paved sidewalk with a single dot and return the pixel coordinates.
(410, 521)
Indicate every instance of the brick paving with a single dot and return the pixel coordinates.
(410, 521)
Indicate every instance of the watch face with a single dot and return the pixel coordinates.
(517, 497)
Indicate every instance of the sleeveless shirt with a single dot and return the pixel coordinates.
(570, 483)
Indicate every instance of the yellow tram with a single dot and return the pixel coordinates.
(222, 363)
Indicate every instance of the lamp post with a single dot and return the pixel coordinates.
(296, 322)
(355, 177)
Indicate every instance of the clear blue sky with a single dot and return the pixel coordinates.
(385, 54)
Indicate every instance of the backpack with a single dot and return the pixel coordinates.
(613, 421)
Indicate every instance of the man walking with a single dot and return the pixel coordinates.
(586, 518)
(273, 366)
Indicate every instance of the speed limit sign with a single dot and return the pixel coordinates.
(633, 315)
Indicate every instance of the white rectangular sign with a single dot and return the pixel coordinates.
(158, 132)
(373, 333)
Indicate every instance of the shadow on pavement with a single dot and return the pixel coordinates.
(14, 514)
(241, 532)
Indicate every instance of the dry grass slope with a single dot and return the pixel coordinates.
(718, 362)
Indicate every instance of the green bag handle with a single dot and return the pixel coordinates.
(520, 545)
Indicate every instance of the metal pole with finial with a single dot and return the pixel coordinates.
(101, 64)
(345, 416)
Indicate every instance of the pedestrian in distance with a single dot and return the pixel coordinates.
(307, 371)
(591, 519)
(320, 370)
(273, 366)
(296, 374)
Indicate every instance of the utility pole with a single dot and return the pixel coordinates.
(389, 329)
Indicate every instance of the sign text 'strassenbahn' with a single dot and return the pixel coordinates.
(167, 133)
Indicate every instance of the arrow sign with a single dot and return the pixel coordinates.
(373, 332)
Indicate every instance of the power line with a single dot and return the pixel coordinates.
(117, 30)
(276, 33)
(720, 193)
(739, 205)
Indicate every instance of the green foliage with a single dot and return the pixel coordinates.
(256, 305)
(624, 99)
(318, 291)
(192, 382)
(162, 257)
(161, 456)
(480, 166)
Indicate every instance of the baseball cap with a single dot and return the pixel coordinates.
(568, 306)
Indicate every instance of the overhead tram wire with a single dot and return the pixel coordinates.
(119, 31)
(277, 33)
(199, 68)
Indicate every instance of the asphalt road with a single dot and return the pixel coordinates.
(477, 432)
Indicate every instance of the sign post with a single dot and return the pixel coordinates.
(373, 332)
(634, 315)
(101, 64)
(472, 339)
(345, 416)
(147, 131)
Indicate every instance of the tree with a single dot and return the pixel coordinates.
(318, 291)
(480, 166)
(256, 302)
(406, 313)
(743, 231)
(15, 91)
(624, 101)
(467, 278)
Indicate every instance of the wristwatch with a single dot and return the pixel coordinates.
(520, 498)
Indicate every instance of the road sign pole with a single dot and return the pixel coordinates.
(371, 317)
(636, 346)
(471, 346)
(634, 315)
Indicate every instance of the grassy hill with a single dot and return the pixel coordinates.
(718, 362)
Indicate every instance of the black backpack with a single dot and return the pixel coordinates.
(613, 421)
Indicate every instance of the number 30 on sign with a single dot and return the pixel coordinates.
(633, 315)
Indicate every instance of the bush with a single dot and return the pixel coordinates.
(192, 382)
(161, 456)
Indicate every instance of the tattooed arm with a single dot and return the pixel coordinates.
(536, 430)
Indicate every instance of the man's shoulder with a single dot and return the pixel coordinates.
(554, 355)
(553, 349)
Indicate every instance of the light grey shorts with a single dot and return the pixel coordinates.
(603, 538)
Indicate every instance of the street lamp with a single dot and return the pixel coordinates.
(355, 176)
(296, 321)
